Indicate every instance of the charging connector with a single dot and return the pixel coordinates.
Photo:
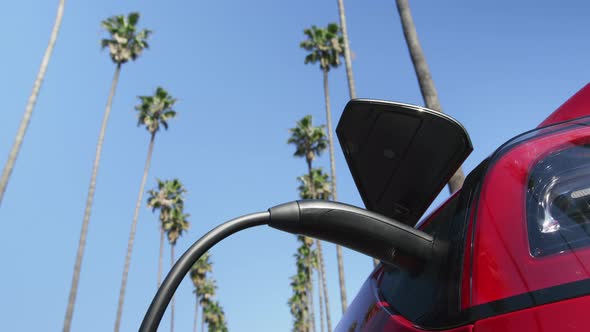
(358, 229)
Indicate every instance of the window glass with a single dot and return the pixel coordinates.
(422, 293)
(429, 295)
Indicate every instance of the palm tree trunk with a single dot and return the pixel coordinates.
(311, 184)
(131, 240)
(347, 59)
(310, 318)
(89, 200)
(24, 124)
(161, 256)
(321, 298)
(324, 285)
(427, 88)
(330, 136)
(202, 319)
(334, 193)
(196, 313)
(348, 65)
(341, 278)
(311, 305)
(172, 300)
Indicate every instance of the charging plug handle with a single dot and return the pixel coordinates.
(355, 228)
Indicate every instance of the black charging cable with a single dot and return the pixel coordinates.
(185, 262)
(364, 231)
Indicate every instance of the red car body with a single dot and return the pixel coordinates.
(520, 236)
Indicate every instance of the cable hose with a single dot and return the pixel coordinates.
(156, 310)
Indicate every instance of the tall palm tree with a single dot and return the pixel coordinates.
(326, 46)
(206, 293)
(323, 189)
(167, 195)
(24, 124)
(347, 55)
(198, 276)
(168, 198)
(154, 112)
(427, 88)
(174, 228)
(126, 44)
(310, 141)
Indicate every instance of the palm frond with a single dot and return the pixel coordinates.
(325, 45)
(155, 111)
(125, 43)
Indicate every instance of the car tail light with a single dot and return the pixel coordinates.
(558, 201)
(532, 222)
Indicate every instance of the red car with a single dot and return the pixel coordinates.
(509, 251)
(518, 232)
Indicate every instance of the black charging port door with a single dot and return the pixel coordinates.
(400, 155)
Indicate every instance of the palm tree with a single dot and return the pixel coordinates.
(154, 111)
(427, 88)
(323, 189)
(198, 276)
(174, 228)
(347, 55)
(24, 124)
(165, 198)
(321, 184)
(126, 44)
(169, 200)
(299, 303)
(205, 293)
(215, 317)
(310, 141)
(326, 46)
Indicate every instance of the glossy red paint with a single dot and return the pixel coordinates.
(569, 315)
(577, 106)
(502, 264)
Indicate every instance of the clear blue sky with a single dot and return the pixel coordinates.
(500, 68)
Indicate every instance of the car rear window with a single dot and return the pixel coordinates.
(429, 296)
